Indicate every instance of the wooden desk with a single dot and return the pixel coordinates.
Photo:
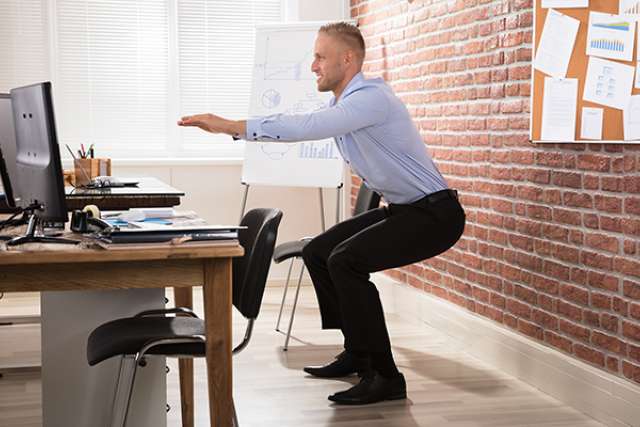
(150, 193)
(180, 267)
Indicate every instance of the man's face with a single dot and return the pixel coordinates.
(329, 62)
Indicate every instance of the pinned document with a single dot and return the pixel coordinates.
(608, 83)
(631, 118)
(591, 123)
(611, 36)
(556, 44)
(564, 3)
(559, 109)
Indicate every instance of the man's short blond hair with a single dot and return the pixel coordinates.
(347, 33)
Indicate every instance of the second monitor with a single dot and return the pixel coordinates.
(38, 166)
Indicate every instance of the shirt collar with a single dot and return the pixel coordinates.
(354, 83)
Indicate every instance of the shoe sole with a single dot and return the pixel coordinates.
(328, 376)
(400, 396)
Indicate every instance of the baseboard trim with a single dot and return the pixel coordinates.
(280, 282)
(605, 397)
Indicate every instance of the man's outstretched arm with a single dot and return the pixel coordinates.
(215, 124)
(363, 108)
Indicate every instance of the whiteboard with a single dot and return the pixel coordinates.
(283, 83)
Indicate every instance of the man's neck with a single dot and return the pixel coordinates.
(343, 84)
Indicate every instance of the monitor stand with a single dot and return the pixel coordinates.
(35, 234)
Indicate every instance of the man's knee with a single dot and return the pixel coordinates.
(339, 260)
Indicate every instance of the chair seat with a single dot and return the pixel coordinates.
(289, 250)
(130, 335)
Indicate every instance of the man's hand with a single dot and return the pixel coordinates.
(214, 124)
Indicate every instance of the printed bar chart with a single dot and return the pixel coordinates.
(614, 45)
(631, 8)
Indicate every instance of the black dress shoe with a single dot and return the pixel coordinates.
(371, 389)
(344, 365)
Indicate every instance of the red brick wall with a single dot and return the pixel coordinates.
(552, 243)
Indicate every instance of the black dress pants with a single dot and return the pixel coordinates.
(341, 259)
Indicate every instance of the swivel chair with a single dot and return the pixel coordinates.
(366, 200)
(154, 333)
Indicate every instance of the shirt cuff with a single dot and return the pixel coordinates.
(254, 129)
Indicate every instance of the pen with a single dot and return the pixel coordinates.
(84, 153)
(70, 151)
(91, 151)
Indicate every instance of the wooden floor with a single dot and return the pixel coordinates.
(446, 387)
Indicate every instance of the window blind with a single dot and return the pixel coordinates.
(112, 71)
(24, 50)
(216, 47)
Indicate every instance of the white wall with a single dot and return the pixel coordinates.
(325, 10)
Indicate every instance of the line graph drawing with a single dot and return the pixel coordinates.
(286, 64)
(310, 103)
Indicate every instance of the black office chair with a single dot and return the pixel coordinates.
(366, 200)
(152, 332)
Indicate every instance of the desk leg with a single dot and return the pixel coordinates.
(184, 298)
(217, 309)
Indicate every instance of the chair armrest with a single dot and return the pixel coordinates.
(162, 312)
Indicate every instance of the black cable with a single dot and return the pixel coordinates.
(10, 220)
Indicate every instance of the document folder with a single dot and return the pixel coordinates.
(147, 235)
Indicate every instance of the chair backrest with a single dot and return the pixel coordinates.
(250, 271)
(366, 200)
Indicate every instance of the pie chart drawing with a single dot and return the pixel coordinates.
(271, 98)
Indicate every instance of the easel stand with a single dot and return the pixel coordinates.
(302, 268)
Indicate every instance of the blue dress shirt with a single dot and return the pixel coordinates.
(374, 133)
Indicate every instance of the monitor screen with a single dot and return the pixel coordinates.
(38, 167)
(7, 149)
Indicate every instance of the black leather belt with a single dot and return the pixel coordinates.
(436, 197)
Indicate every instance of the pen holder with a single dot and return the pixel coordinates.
(86, 169)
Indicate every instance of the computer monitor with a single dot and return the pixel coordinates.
(7, 149)
(38, 166)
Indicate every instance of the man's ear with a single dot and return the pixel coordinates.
(349, 57)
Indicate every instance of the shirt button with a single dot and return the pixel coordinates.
(255, 134)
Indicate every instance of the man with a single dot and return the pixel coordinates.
(377, 138)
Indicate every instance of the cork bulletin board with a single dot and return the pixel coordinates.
(612, 126)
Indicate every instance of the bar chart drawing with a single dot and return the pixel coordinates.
(317, 150)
